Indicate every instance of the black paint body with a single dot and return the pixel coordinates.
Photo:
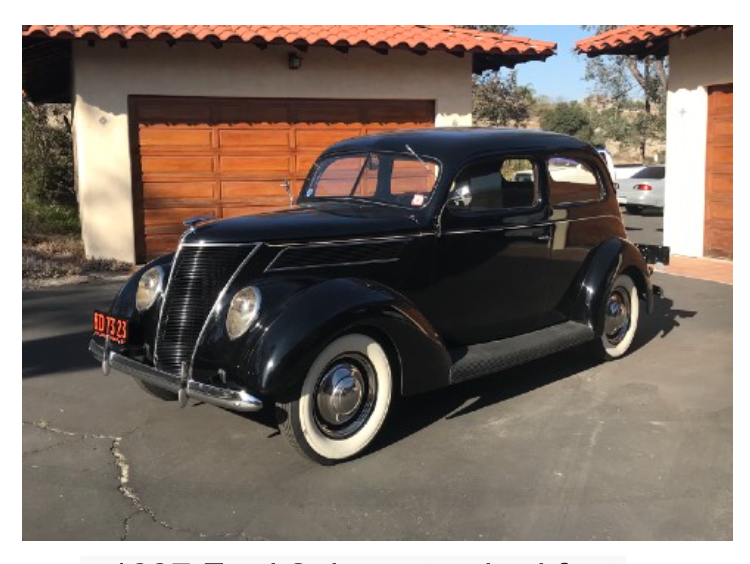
(425, 281)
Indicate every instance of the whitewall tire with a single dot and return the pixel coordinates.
(342, 402)
(620, 318)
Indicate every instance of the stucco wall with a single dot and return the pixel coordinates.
(695, 63)
(105, 75)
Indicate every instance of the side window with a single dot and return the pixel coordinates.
(572, 181)
(497, 184)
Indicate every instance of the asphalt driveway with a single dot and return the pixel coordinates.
(563, 448)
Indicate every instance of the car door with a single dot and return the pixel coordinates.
(492, 253)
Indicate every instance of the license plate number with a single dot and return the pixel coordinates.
(106, 325)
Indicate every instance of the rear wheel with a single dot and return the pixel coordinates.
(342, 401)
(620, 321)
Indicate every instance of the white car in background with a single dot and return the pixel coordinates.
(644, 190)
(604, 154)
(623, 171)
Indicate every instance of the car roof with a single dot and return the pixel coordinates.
(450, 143)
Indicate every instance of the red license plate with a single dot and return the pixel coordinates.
(116, 328)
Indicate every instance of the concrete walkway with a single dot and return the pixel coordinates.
(711, 270)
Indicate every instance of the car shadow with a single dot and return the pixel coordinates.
(55, 355)
(411, 415)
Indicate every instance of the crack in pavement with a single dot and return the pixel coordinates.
(124, 487)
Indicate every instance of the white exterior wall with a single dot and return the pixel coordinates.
(695, 62)
(105, 75)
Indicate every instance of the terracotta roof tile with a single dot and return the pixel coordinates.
(416, 37)
(633, 38)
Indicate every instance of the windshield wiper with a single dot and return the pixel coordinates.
(424, 164)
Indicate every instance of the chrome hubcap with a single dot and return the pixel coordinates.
(340, 393)
(345, 396)
(617, 318)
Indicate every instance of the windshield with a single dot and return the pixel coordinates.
(386, 178)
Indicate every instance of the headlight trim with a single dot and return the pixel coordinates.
(156, 290)
(235, 327)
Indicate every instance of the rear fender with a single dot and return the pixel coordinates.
(606, 262)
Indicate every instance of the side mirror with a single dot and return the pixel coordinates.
(460, 197)
(616, 185)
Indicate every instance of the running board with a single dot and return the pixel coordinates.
(488, 358)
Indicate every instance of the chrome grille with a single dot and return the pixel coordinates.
(197, 278)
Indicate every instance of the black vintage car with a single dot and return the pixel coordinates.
(410, 261)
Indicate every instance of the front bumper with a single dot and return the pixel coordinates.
(183, 386)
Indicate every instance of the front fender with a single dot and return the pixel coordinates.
(607, 261)
(326, 309)
(142, 325)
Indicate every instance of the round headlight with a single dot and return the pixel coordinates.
(149, 288)
(243, 310)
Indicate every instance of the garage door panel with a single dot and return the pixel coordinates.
(721, 155)
(178, 164)
(257, 138)
(162, 244)
(722, 186)
(178, 190)
(176, 215)
(229, 157)
(723, 132)
(304, 162)
(176, 137)
(322, 137)
(719, 211)
(255, 164)
(252, 188)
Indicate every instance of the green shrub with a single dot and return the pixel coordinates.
(47, 153)
(41, 218)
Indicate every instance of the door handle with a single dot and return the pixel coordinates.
(543, 237)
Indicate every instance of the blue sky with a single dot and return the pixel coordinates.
(561, 75)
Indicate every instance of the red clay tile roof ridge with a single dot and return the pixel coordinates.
(631, 35)
(411, 36)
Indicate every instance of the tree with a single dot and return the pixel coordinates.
(620, 79)
(570, 118)
(499, 100)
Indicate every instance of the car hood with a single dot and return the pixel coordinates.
(327, 221)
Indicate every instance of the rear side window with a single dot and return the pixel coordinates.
(496, 184)
(572, 181)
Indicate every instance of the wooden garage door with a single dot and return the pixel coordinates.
(229, 157)
(718, 240)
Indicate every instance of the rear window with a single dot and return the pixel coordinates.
(652, 172)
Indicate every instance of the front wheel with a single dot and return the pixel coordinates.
(620, 319)
(342, 402)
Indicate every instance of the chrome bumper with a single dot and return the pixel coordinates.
(183, 386)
